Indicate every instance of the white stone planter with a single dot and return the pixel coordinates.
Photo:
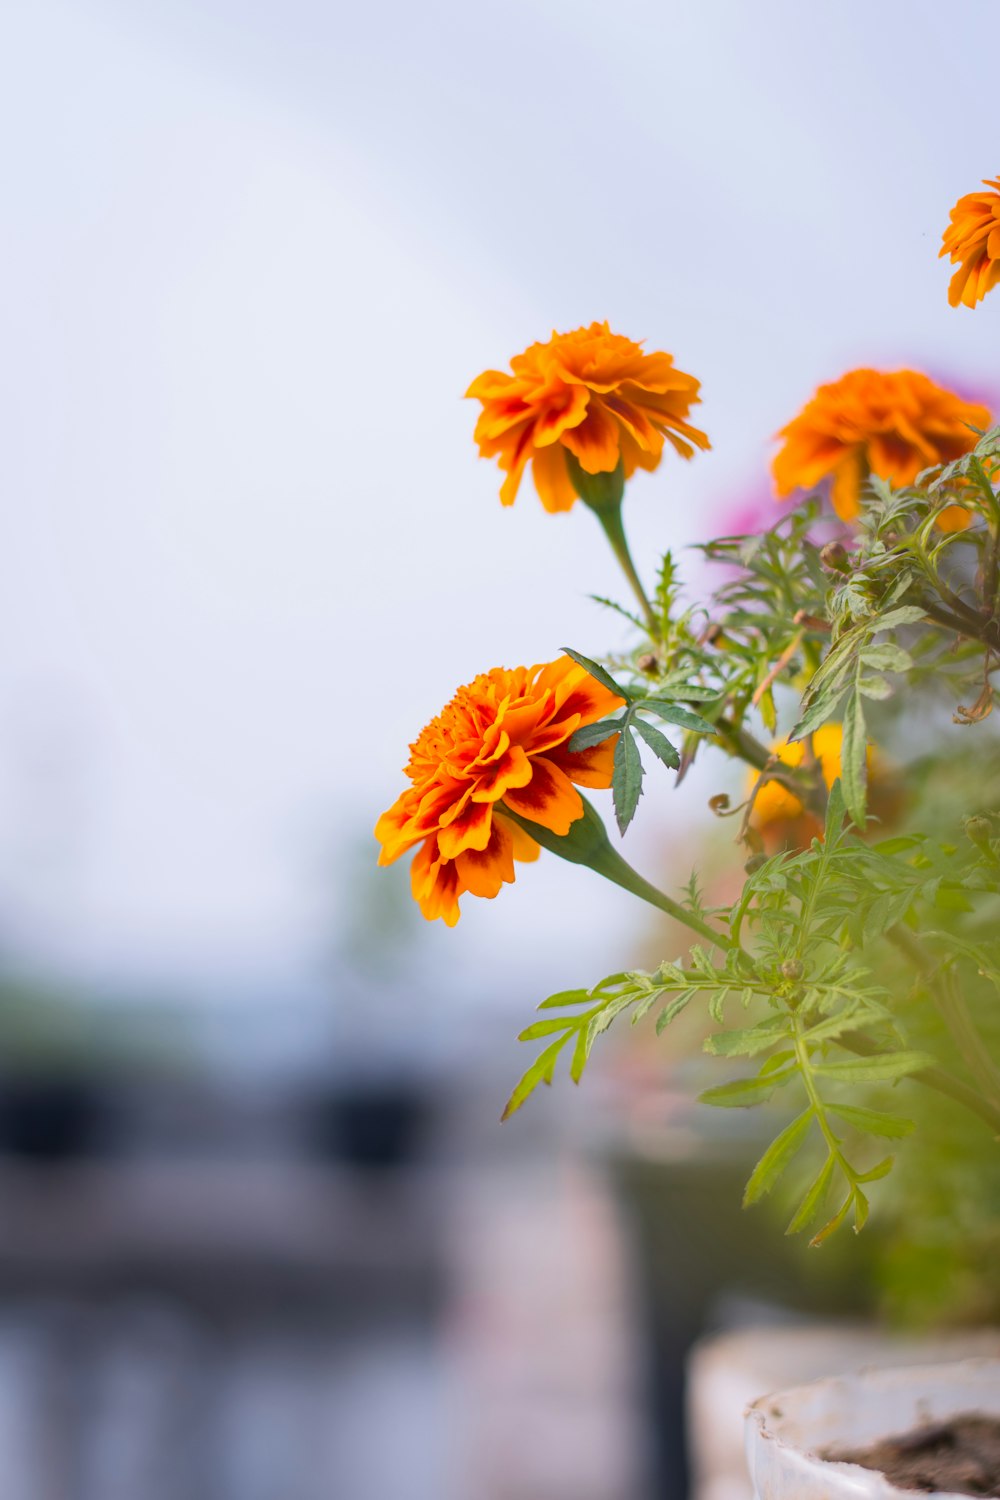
(787, 1431)
(729, 1371)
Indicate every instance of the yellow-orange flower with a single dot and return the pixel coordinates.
(592, 393)
(972, 240)
(892, 424)
(501, 743)
(782, 819)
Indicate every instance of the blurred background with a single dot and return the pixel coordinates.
(261, 1234)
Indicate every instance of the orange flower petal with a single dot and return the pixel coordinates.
(595, 441)
(549, 798)
(552, 481)
(591, 392)
(483, 872)
(891, 424)
(591, 767)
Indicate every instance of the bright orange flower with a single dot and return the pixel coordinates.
(774, 805)
(500, 743)
(972, 240)
(592, 393)
(782, 819)
(891, 424)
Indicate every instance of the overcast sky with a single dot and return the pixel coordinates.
(253, 254)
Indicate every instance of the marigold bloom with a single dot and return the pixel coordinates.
(972, 240)
(500, 743)
(781, 818)
(592, 393)
(892, 424)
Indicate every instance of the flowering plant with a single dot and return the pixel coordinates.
(859, 964)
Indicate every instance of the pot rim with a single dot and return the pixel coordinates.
(869, 1483)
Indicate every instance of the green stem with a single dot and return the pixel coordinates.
(587, 843)
(610, 517)
(743, 744)
(618, 870)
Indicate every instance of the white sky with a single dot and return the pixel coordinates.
(252, 254)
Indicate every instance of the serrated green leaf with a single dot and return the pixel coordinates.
(776, 1158)
(833, 1224)
(906, 614)
(541, 1071)
(875, 688)
(684, 692)
(599, 674)
(811, 1203)
(750, 1041)
(872, 1121)
(882, 1068)
(594, 734)
(672, 1011)
(854, 761)
(676, 713)
(745, 1092)
(626, 780)
(886, 657)
(821, 708)
(658, 743)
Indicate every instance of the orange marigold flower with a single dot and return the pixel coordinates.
(501, 743)
(781, 818)
(591, 393)
(972, 240)
(893, 424)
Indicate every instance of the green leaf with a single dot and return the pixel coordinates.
(811, 1203)
(882, 1169)
(597, 672)
(566, 997)
(744, 1092)
(906, 614)
(834, 1223)
(854, 761)
(748, 1042)
(672, 1011)
(594, 734)
(626, 780)
(821, 708)
(541, 1071)
(538, 1029)
(776, 1158)
(887, 657)
(687, 692)
(860, 1210)
(872, 1121)
(581, 1052)
(657, 742)
(675, 713)
(883, 1068)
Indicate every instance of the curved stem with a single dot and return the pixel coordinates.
(618, 870)
(610, 518)
(587, 843)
